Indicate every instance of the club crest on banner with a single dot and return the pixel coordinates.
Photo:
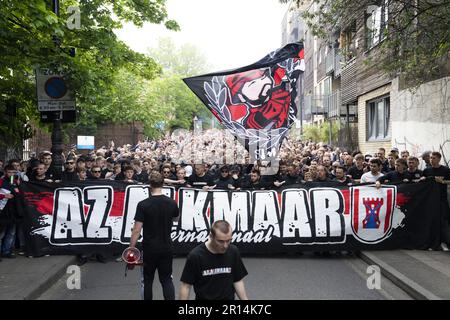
(372, 212)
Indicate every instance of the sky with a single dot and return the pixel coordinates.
(229, 33)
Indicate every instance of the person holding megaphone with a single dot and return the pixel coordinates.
(155, 217)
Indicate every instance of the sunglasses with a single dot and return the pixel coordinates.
(166, 171)
(70, 162)
(96, 171)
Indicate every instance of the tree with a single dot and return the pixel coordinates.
(32, 36)
(416, 40)
(169, 93)
(162, 103)
(184, 61)
(321, 133)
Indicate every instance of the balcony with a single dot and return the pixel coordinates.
(332, 63)
(332, 104)
(314, 105)
(348, 82)
(337, 65)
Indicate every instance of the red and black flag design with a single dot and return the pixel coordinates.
(256, 102)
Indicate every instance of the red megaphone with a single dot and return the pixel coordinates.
(131, 255)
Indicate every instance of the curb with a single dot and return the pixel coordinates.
(412, 288)
(49, 279)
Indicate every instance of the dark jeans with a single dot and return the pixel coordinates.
(163, 263)
(7, 238)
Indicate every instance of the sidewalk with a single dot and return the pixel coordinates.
(27, 278)
(424, 275)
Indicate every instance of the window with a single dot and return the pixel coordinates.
(376, 23)
(378, 114)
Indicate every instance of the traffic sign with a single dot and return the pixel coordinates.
(85, 142)
(52, 92)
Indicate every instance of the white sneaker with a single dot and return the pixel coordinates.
(444, 246)
(119, 259)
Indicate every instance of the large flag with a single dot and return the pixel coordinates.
(257, 102)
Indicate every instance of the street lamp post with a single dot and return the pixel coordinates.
(57, 140)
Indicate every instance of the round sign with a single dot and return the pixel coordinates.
(55, 87)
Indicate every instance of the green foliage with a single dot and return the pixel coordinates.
(129, 96)
(32, 36)
(417, 42)
(335, 128)
(184, 61)
(312, 132)
(321, 133)
(169, 94)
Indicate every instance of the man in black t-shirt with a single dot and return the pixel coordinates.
(214, 268)
(357, 170)
(70, 174)
(225, 181)
(155, 216)
(413, 171)
(255, 182)
(341, 178)
(441, 175)
(201, 179)
(398, 175)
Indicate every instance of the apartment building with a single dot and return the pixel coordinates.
(344, 84)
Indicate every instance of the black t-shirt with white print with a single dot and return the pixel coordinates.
(213, 275)
(157, 214)
(200, 182)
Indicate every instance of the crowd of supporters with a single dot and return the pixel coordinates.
(214, 160)
(211, 161)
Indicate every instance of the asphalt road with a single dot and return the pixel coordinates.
(275, 278)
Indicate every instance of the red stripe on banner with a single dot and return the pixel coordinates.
(279, 199)
(402, 199)
(42, 201)
(209, 212)
(346, 194)
(176, 196)
(45, 205)
(388, 210)
(355, 209)
(118, 203)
